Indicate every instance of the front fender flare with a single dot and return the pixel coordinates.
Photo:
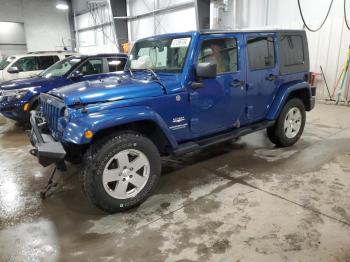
(95, 122)
(282, 97)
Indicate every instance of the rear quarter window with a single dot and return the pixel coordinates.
(293, 48)
(293, 53)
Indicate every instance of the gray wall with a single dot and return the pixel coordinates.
(44, 26)
(12, 39)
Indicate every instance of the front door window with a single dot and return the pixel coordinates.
(222, 52)
(26, 64)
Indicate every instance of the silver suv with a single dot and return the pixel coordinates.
(29, 64)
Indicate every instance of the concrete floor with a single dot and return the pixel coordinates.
(245, 201)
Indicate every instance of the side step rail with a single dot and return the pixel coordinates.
(206, 142)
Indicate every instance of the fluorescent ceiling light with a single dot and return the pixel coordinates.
(62, 5)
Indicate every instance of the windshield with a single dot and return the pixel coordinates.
(60, 68)
(162, 54)
(6, 62)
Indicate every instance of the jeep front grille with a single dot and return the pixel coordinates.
(52, 109)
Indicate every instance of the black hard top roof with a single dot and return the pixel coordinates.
(242, 31)
(121, 55)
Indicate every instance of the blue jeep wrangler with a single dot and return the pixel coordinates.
(179, 93)
(19, 97)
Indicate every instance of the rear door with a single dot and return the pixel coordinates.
(219, 103)
(92, 69)
(262, 74)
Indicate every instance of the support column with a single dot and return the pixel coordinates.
(203, 14)
(119, 9)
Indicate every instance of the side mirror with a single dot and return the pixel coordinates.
(76, 75)
(206, 70)
(13, 70)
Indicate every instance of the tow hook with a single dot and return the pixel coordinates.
(33, 152)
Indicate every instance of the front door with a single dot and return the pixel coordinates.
(27, 67)
(92, 69)
(262, 74)
(219, 103)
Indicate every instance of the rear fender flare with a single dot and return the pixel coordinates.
(282, 97)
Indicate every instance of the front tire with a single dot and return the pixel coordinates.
(122, 172)
(289, 125)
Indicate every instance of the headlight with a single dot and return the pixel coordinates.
(16, 94)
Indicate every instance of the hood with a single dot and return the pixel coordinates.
(24, 82)
(107, 90)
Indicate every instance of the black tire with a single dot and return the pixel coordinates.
(99, 155)
(277, 133)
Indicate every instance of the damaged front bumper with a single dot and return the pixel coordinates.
(46, 148)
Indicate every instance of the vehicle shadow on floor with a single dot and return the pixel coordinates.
(181, 174)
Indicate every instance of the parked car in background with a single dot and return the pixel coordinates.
(19, 97)
(29, 64)
(184, 92)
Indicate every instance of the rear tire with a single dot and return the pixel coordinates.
(121, 172)
(289, 125)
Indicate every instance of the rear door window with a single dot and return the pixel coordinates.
(46, 61)
(261, 52)
(115, 64)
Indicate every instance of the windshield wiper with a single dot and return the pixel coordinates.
(156, 77)
(130, 71)
(153, 73)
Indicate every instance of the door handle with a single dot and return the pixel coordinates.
(271, 77)
(237, 83)
(196, 85)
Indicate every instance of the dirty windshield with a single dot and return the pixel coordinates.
(60, 68)
(161, 54)
(6, 62)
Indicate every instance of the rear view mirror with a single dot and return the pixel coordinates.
(13, 70)
(76, 74)
(206, 70)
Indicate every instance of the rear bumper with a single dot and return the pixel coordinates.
(312, 102)
(46, 148)
(313, 97)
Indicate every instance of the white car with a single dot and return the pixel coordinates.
(29, 64)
